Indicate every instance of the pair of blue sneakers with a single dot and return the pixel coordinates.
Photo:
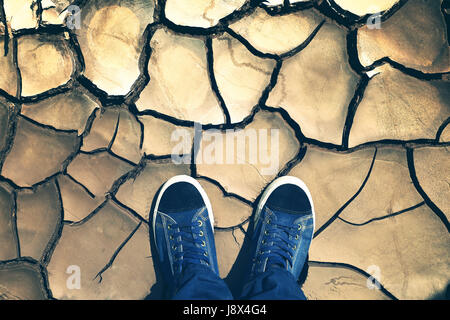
(183, 229)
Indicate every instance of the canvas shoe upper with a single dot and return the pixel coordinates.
(183, 228)
(283, 227)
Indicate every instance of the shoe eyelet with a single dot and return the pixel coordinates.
(266, 232)
(299, 226)
(174, 247)
(200, 223)
(205, 253)
(203, 244)
(269, 221)
(294, 247)
(200, 233)
(169, 227)
(263, 241)
(296, 237)
(171, 237)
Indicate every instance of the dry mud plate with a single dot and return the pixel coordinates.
(91, 93)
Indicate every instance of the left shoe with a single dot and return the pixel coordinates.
(183, 228)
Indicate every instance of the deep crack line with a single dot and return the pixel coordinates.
(116, 253)
(32, 187)
(77, 54)
(18, 72)
(14, 224)
(39, 11)
(112, 153)
(272, 83)
(410, 71)
(103, 96)
(89, 192)
(64, 88)
(195, 149)
(191, 124)
(352, 52)
(111, 193)
(293, 162)
(412, 172)
(131, 174)
(355, 64)
(350, 20)
(47, 127)
(287, 7)
(52, 243)
(89, 123)
(222, 189)
(212, 79)
(235, 239)
(51, 29)
(128, 209)
(5, 25)
(331, 10)
(336, 215)
(8, 97)
(250, 47)
(245, 10)
(385, 216)
(13, 112)
(87, 131)
(144, 76)
(352, 108)
(242, 229)
(116, 129)
(441, 129)
(88, 217)
(377, 143)
(304, 44)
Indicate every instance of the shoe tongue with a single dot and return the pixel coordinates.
(287, 218)
(276, 259)
(184, 218)
(271, 263)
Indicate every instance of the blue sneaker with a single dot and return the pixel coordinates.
(283, 227)
(183, 228)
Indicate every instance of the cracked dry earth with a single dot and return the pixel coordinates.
(87, 114)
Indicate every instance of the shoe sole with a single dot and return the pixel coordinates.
(196, 184)
(279, 182)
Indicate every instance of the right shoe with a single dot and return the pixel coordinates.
(284, 224)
